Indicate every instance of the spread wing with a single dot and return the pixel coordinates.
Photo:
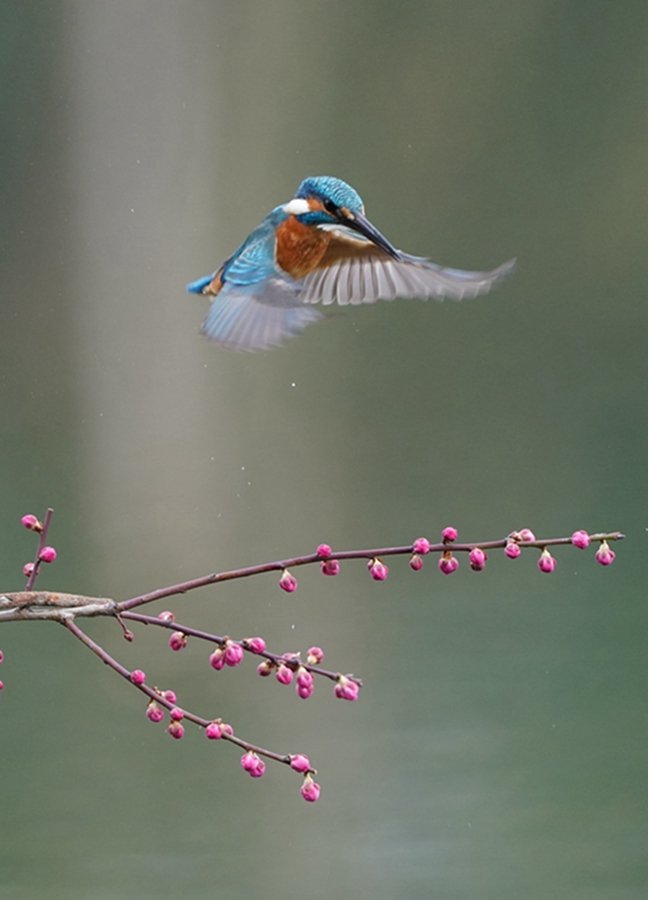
(353, 270)
(241, 318)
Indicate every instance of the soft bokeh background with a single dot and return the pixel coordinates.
(498, 749)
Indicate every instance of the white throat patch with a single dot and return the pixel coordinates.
(297, 207)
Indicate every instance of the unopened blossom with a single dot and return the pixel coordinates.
(137, 676)
(416, 562)
(1, 656)
(477, 559)
(265, 668)
(213, 731)
(176, 713)
(329, 567)
(176, 729)
(284, 674)
(421, 546)
(32, 523)
(526, 535)
(178, 640)
(256, 644)
(379, 571)
(28, 569)
(512, 550)
(167, 616)
(449, 535)
(252, 764)
(346, 689)
(299, 763)
(314, 656)
(324, 551)
(47, 554)
(580, 539)
(605, 555)
(448, 564)
(310, 791)
(288, 582)
(217, 659)
(305, 683)
(546, 563)
(233, 654)
(170, 696)
(154, 712)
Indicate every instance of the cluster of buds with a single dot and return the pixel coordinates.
(288, 667)
(328, 566)
(46, 554)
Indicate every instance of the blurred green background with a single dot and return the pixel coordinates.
(498, 748)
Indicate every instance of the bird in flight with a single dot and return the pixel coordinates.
(318, 248)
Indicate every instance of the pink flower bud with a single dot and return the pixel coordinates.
(448, 563)
(226, 729)
(314, 656)
(178, 640)
(329, 567)
(512, 550)
(526, 535)
(252, 764)
(1, 656)
(449, 535)
(47, 554)
(28, 568)
(378, 569)
(324, 551)
(176, 713)
(233, 654)
(213, 731)
(167, 616)
(137, 676)
(32, 523)
(288, 582)
(605, 555)
(416, 562)
(546, 563)
(170, 696)
(305, 683)
(421, 546)
(299, 763)
(154, 712)
(310, 791)
(477, 559)
(1, 685)
(265, 668)
(580, 539)
(256, 644)
(217, 659)
(284, 674)
(176, 729)
(345, 689)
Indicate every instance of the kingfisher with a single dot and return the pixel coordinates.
(318, 248)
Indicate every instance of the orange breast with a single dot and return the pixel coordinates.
(300, 247)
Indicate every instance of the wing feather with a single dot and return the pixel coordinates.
(356, 271)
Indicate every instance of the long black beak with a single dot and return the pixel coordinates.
(357, 222)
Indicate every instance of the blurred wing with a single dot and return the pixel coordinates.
(255, 305)
(241, 318)
(353, 270)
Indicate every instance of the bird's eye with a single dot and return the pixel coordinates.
(330, 207)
